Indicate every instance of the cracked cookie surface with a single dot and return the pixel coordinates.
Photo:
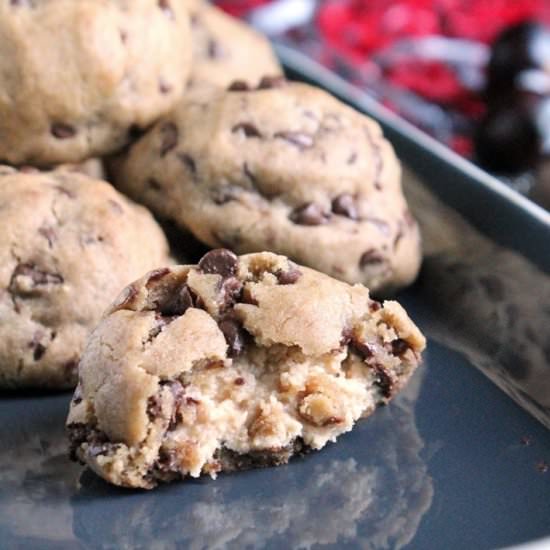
(226, 49)
(68, 244)
(283, 167)
(233, 363)
(80, 78)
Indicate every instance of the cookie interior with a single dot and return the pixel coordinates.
(248, 361)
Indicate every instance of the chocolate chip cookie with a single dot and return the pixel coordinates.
(283, 167)
(68, 244)
(226, 49)
(80, 78)
(233, 363)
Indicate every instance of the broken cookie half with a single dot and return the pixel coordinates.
(233, 363)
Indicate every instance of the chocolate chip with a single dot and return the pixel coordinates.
(189, 163)
(167, 460)
(347, 336)
(123, 36)
(49, 234)
(399, 346)
(374, 305)
(290, 276)
(156, 275)
(352, 158)
(62, 131)
(164, 5)
(168, 138)
(234, 336)
(127, 297)
(248, 129)
(220, 261)
(383, 380)
(225, 194)
(164, 87)
(238, 86)
(366, 350)
(214, 49)
(179, 304)
(309, 214)
(344, 205)
(298, 139)
(231, 289)
(268, 82)
(154, 184)
(371, 257)
(154, 408)
(238, 381)
(38, 277)
(135, 132)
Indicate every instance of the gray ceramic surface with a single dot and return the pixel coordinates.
(453, 462)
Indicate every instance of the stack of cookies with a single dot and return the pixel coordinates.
(237, 361)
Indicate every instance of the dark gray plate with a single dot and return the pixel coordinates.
(453, 462)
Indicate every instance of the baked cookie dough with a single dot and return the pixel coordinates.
(80, 78)
(284, 167)
(68, 245)
(233, 363)
(226, 49)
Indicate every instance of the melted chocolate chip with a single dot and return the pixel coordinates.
(154, 408)
(399, 346)
(371, 257)
(347, 336)
(168, 138)
(238, 381)
(383, 380)
(234, 336)
(344, 205)
(167, 460)
(238, 86)
(298, 139)
(248, 129)
(220, 261)
(62, 131)
(290, 276)
(309, 214)
(268, 82)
